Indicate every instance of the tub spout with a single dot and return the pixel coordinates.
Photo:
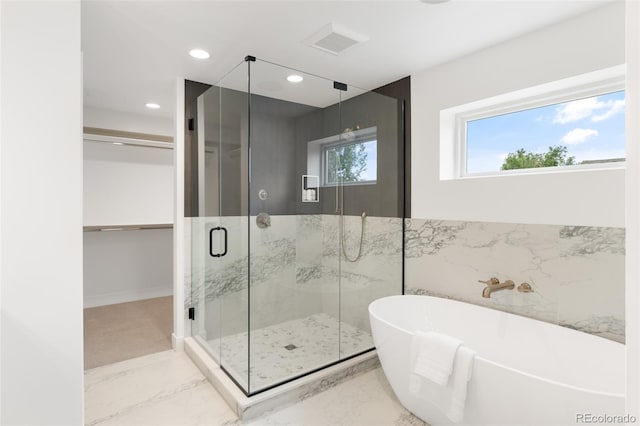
(494, 285)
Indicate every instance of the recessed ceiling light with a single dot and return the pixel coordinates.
(199, 54)
(117, 143)
(294, 78)
(152, 105)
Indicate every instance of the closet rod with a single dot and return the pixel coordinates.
(93, 134)
(127, 227)
(126, 135)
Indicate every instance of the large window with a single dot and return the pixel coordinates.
(582, 131)
(572, 124)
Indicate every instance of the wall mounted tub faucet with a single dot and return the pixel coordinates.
(494, 284)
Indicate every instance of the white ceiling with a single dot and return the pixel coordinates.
(133, 51)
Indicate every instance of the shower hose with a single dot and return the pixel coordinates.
(362, 220)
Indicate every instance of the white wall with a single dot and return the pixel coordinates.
(41, 374)
(127, 185)
(121, 266)
(129, 122)
(180, 234)
(633, 209)
(586, 43)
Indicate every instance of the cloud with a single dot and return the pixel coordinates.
(615, 107)
(576, 110)
(583, 108)
(578, 136)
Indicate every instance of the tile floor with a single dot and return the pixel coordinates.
(319, 339)
(167, 389)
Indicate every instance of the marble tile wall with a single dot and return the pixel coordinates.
(377, 273)
(214, 286)
(294, 270)
(577, 272)
(218, 287)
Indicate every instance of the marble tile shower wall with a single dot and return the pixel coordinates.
(577, 272)
(378, 272)
(294, 270)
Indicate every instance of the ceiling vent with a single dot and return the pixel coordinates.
(334, 38)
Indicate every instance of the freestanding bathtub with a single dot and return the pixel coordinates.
(526, 372)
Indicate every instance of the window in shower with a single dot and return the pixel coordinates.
(350, 158)
(351, 162)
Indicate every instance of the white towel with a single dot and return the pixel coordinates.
(462, 369)
(450, 399)
(433, 355)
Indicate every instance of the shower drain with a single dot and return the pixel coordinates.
(290, 347)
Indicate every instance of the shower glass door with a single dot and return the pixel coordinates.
(294, 291)
(370, 151)
(299, 221)
(220, 244)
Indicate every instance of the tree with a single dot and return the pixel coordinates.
(521, 159)
(351, 160)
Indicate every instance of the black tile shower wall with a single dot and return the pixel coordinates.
(272, 164)
(280, 132)
(225, 163)
(310, 127)
(385, 197)
(273, 155)
(192, 89)
(401, 90)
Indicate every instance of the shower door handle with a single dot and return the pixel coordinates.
(225, 241)
(217, 228)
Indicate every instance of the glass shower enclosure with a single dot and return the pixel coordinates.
(299, 221)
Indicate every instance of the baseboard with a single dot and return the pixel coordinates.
(126, 296)
(177, 342)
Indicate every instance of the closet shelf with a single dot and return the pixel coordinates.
(127, 227)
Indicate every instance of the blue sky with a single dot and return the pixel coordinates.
(591, 128)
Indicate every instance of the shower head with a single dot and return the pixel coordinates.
(349, 132)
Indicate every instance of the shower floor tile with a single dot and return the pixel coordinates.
(286, 350)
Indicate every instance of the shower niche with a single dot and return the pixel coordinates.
(274, 303)
(310, 188)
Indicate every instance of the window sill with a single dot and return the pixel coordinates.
(545, 171)
(333, 185)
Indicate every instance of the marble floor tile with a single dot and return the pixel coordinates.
(365, 400)
(167, 389)
(159, 389)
